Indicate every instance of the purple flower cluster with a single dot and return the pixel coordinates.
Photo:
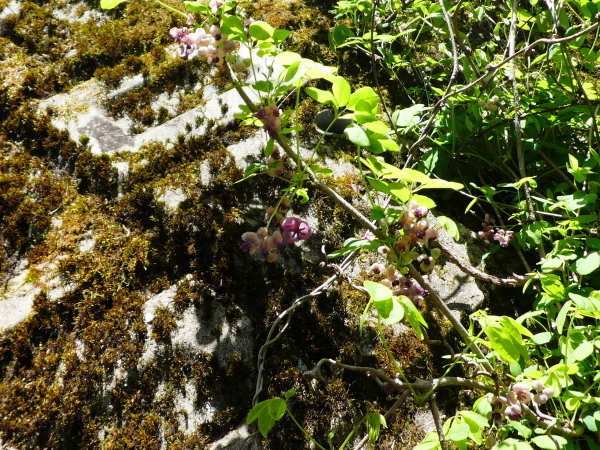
(212, 45)
(511, 404)
(270, 117)
(399, 284)
(268, 246)
(276, 163)
(415, 231)
(492, 233)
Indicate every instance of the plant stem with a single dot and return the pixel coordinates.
(306, 434)
(170, 8)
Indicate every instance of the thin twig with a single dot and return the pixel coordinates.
(515, 280)
(272, 337)
(438, 422)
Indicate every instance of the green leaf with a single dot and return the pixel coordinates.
(110, 4)
(289, 394)
(550, 265)
(353, 244)
(512, 444)
(588, 264)
(267, 413)
(339, 35)
(576, 201)
(357, 135)
(582, 351)
(377, 126)
(423, 201)
(475, 421)
(276, 408)
(530, 180)
(265, 423)
(281, 35)
(459, 431)
(390, 311)
(321, 96)
(233, 27)
(400, 191)
(408, 117)
(591, 423)
(303, 194)
(379, 142)
(256, 411)
(514, 327)
(377, 291)
(364, 98)
(261, 31)
(450, 226)
(413, 315)
(547, 443)
(413, 176)
(287, 58)
(200, 7)
(541, 338)
(430, 442)
(374, 422)
(562, 316)
(441, 184)
(502, 343)
(380, 185)
(341, 91)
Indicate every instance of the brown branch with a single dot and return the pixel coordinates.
(515, 280)
(438, 422)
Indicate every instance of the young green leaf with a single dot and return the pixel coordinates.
(377, 291)
(341, 91)
(450, 226)
(200, 7)
(233, 27)
(413, 315)
(364, 99)
(547, 443)
(261, 31)
(562, 316)
(391, 311)
(588, 264)
(374, 422)
(110, 4)
(321, 96)
(513, 444)
(267, 413)
(357, 135)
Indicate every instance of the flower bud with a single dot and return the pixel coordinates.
(548, 391)
(537, 385)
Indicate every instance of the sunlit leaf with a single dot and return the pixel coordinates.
(377, 291)
(260, 30)
(110, 4)
(588, 264)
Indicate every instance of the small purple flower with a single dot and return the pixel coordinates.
(178, 34)
(368, 236)
(293, 229)
(251, 242)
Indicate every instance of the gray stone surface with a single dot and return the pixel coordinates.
(16, 297)
(458, 290)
